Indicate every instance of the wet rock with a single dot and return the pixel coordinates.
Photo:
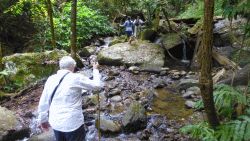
(135, 118)
(186, 83)
(108, 78)
(189, 104)
(25, 68)
(127, 102)
(155, 121)
(87, 51)
(163, 72)
(171, 40)
(117, 40)
(196, 28)
(114, 92)
(126, 54)
(116, 108)
(223, 34)
(45, 136)
(8, 121)
(164, 28)
(136, 96)
(116, 98)
(109, 126)
(16, 134)
(196, 90)
(113, 73)
(145, 134)
(188, 94)
(90, 100)
(158, 83)
(112, 85)
(134, 68)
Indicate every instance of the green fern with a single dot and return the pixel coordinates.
(225, 98)
(199, 131)
(236, 130)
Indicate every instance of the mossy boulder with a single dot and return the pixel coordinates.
(141, 53)
(87, 51)
(109, 126)
(171, 40)
(8, 121)
(118, 39)
(135, 118)
(23, 69)
(164, 28)
(196, 28)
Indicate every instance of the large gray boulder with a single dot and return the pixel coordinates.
(109, 126)
(171, 40)
(135, 118)
(21, 69)
(10, 128)
(142, 53)
(8, 121)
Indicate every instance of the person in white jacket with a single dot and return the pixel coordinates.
(64, 111)
(137, 23)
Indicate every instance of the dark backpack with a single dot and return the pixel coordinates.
(137, 22)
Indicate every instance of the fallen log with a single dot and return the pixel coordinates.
(218, 75)
(224, 61)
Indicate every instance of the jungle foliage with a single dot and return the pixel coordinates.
(235, 124)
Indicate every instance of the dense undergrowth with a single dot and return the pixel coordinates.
(233, 107)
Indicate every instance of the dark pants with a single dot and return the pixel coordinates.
(77, 135)
(129, 33)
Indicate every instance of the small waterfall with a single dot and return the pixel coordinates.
(106, 42)
(158, 40)
(184, 52)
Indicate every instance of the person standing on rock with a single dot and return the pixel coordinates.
(63, 110)
(138, 23)
(128, 24)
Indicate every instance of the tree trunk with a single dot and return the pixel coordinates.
(1, 56)
(73, 29)
(206, 82)
(50, 14)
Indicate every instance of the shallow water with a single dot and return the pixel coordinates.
(170, 104)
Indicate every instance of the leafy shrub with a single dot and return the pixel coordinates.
(89, 24)
(199, 131)
(196, 9)
(235, 130)
(225, 98)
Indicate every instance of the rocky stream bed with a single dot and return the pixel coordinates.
(134, 105)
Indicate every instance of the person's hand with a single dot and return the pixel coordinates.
(95, 65)
(44, 126)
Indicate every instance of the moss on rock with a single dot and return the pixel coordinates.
(135, 117)
(171, 40)
(141, 53)
(26, 68)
